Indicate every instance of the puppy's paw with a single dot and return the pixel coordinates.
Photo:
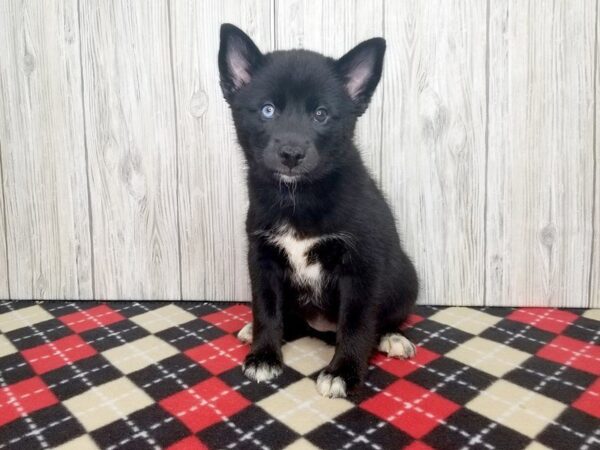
(262, 367)
(397, 345)
(245, 334)
(331, 386)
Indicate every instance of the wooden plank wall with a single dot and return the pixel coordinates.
(540, 190)
(434, 126)
(120, 177)
(43, 151)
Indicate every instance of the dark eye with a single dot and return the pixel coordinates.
(268, 111)
(320, 115)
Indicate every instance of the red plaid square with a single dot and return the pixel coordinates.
(547, 319)
(412, 320)
(410, 407)
(204, 404)
(230, 319)
(91, 318)
(23, 398)
(47, 357)
(402, 367)
(189, 443)
(590, 400)
(581, 355)
(219, 355)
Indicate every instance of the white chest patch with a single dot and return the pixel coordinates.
(296, 249)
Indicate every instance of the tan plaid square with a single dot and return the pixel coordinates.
(6, 348)
(301, 444)
(106, 403)
(307, 355)
(301, 408)
(466, 319)
(593, 314)
(84, 442)
(25, 317)
(139, 354)
(515, 407)
(162, 318)
(491, 357)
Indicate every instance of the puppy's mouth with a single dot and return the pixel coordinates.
(289, 177)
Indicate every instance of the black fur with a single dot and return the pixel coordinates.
(371, 283)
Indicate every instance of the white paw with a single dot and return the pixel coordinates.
(261, 372)
(396, 345)
(329, 386)
(245, 334)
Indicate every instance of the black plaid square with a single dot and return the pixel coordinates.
(48, 427)
(520, 335)
(377, 380)
(426, 310)
(583, 329)
(559, 382)
(14, 368)
(200, 309)
(75, 378)
(191, 334)
(258, 391)
(113, 335)
(250, 428)
(463, 430)
(180, 373)
(151, 427)
(498, 311)
(8, 306)
(453, 380)
(131, 309)
(572, 429)
(437, 337)
(358, 429)
(62, 309)
(48, 330)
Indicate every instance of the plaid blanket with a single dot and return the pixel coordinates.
(84, 375)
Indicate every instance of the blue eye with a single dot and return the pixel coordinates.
(268, 111)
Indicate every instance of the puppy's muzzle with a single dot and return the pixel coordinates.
(291, 155)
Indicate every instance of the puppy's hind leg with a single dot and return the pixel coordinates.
(396, 345)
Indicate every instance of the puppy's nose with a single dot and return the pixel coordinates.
(291, 155)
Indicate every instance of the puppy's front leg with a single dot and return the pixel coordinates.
(354, 339)
(264, 360)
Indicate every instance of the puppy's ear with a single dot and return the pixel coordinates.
(238, 59)
(360, 69)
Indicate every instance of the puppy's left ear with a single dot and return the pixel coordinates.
(360, 69)
(239, 58)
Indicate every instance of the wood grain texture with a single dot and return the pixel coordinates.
(433, 160)
(130, 128)
(4, 286)
(540, 156)
(43, 157)
(333, 28)
(213, 198)
(594, 293)
(121, 177)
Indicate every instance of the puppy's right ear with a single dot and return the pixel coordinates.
(238, 59)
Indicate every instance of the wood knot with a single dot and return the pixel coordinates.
(28, 63)
(434, 115)
(548, 235)
(198, 104)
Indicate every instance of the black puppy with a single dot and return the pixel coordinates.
(324, 253)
